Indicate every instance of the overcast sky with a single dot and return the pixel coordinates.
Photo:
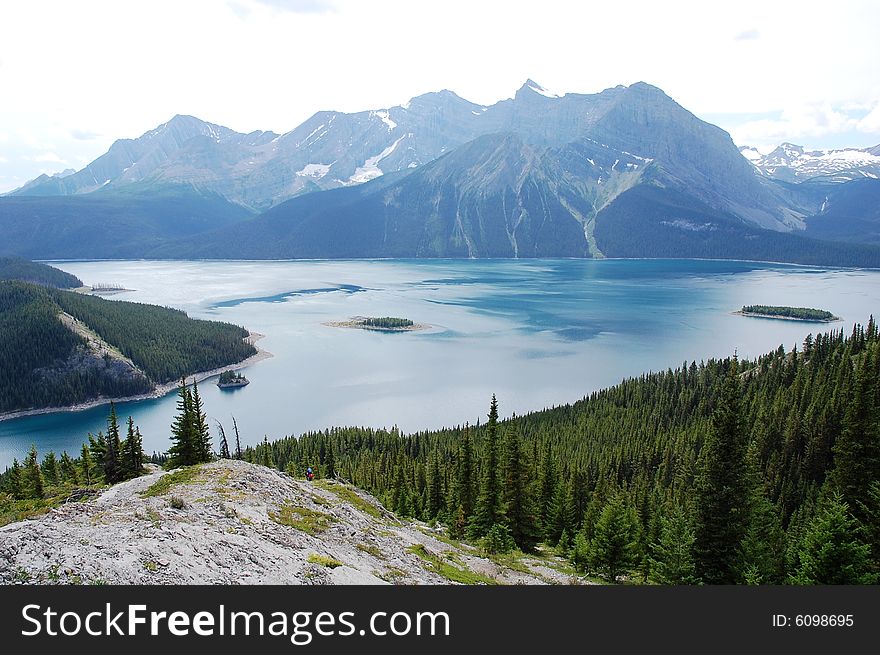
(76, 75)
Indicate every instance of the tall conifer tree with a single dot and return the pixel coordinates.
(488, 510)
(721, 493)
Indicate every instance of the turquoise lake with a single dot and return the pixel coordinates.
(534, 332)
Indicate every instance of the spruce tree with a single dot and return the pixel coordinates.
(184, 450)
(113, 471)
(13, 480)
(132, 451)
(68, 469)
(517, 501)
(33, 476)
(614, 547)
(547, 484)
(463, 488)
(857, 450)
(831, 551)
(672, 558)
(201, 433)
(762, 551)
(434, 491)
(721, 491)
(330, 462)
(488, 510)
(86, 464)
(50, 468)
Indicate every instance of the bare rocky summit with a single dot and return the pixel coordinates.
(231, 522)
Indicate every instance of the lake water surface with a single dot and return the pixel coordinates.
(535, 332)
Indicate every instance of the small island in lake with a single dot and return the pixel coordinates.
(231, 379)
(381, 324)
(788, 313)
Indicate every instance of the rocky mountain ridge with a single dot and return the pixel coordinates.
(231, 522)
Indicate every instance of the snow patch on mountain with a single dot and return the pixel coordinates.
(370, 170)
(386, 118)
(537, 88)
(314, 170)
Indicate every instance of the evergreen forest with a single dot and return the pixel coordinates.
(724, 472)
(43, 363)
(24, 270)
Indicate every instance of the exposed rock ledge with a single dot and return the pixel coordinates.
(230, 530)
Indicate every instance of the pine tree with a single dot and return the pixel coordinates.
(132, 452)
(580, 551)
(224, 445)
(488, 510)
(68, 469)
(672, 559)
(98, 447)
(13, 480)
(50, 468)
(614, 547)
(831, 552)
(201, 433)
(762, 551)
(184, 450)
(547, 484)
(857, 450)
(330, 462)
(86, 464)
(516, 499)
(237, 440)
(113, 471)
(435, 503)
(463, 492)
(721, 492)
(33, 476)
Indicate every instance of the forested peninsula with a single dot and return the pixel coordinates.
(59, 348)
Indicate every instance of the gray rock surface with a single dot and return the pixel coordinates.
(227, 526)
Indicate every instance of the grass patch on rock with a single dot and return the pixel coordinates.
(349, 495)
(168, 481)
(324, 560)
(447, 570)
(301, 518)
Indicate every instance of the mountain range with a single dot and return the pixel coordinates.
(624, 172)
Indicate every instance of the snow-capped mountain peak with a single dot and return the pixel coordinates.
(793, 163)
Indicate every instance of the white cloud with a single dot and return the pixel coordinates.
(748, 35)
(799, 124)
(48, 157)
(871, 122)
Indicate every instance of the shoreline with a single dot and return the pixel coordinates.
(160, 390)
(835, 319)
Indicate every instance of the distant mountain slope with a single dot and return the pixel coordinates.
(108, 225)
(500, 197)
(59, 348)
(850, 212)
(24, 270)
(436, 177)
(650, 221)
(792, 163)
(333, 149)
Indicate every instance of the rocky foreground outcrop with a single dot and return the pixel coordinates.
(231, 522)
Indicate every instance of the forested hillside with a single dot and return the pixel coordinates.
(729, 471)
(163, 342)
(16, 268)
(116, 349)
